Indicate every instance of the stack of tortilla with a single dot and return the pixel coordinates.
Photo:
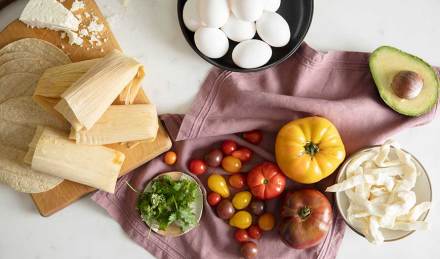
(21, 65)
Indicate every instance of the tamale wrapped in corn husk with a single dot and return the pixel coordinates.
(89, 97)
(120, 123)
(53, 153)
(56, 80)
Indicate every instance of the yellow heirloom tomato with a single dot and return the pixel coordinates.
(308, 150)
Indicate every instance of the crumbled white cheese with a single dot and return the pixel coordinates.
(63, 35)
(74, 39)
(83, 33)
(77, 5)
(94, 26)
(86, 14)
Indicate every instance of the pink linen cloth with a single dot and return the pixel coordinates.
(336, 85)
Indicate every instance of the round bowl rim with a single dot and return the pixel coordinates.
(341, 171)
(246, 70)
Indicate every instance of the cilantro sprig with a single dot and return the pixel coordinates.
(168, 202)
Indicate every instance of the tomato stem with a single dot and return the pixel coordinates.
(265, 181)
(311, 148)
(304, 212)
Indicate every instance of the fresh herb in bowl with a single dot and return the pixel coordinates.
(166, 201)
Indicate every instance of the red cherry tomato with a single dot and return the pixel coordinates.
(229, 146)
(241, 235)
(244, 154)
(237, 181)
(214, 198)
(253, 136)
(255, 232)
(197, 167)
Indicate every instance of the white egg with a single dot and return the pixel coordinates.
(273, 29)
(239, 30)
(251, 54)
(212, 42)
(214, 13)
(249, 10)
(272, 5)
(191, 17)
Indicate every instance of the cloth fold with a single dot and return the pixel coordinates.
(336, 85)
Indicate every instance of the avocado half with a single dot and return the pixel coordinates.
(386, 62)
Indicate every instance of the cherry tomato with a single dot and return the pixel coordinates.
(214, 158)
(197, 167)
(170, 158)
(229, 146)
(231, 164)
(249, 250)
(241, 235)
(241, 200)
(244, 154)
(266, 221)
(237, 181)
(253, 136)
(214, 198)
(255, 232)
(241, 220)
(225, 210)
(257, 207)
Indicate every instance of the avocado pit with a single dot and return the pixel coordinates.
(407, 84)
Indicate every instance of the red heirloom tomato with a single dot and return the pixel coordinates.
(266, 181)
(197, 166)
(244, 154)
(306, 217)
(253, 136)
(229, 146)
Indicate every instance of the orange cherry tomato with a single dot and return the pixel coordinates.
(170, 158)
(231, 164)
(237, 181)
(266, 221)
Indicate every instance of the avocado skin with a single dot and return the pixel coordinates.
(388, 99)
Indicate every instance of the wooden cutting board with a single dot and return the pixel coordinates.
(67, 192)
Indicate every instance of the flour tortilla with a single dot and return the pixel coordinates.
(41, 48)
(5, 57)
(20, 176)
(17, 84)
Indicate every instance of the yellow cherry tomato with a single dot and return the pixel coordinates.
(266, 221)
(231, 164)
(309, 149)
(241, 220)
(241, 200)
(217, 183)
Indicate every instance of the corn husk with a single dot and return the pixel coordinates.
(121, 123)
(87, 99)
(53, 153)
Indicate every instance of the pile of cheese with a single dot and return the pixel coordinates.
(97, 98)
(79, 25)
(379, 185)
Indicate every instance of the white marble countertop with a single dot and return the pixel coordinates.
(148, 30)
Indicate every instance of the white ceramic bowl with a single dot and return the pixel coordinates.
(174, 230)
(422, 189)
